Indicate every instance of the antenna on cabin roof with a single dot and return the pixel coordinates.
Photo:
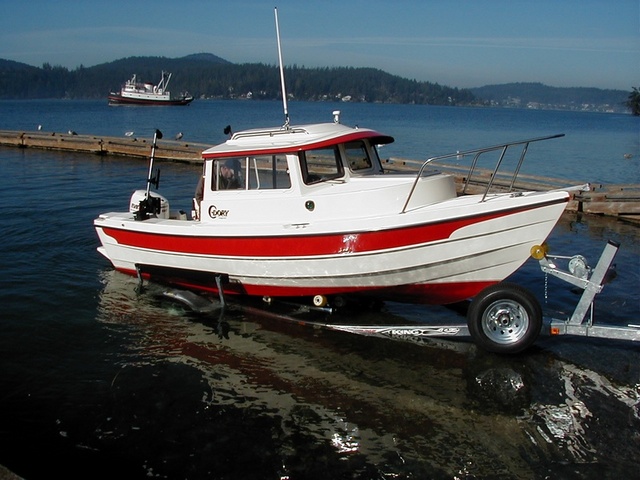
(282, 86)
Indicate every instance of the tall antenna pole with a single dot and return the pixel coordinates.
(282, 86)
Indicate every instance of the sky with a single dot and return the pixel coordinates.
(458, 43)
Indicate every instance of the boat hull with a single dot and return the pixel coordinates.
(116, 99)
(425, 259)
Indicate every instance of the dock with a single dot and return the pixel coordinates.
(619, 200)
(135, 147)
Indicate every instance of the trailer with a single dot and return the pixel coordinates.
(504, 318)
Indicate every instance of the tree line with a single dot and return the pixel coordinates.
(633, 102)
(208, 76)
(205, 75)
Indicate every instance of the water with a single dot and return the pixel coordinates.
(593, 149)
(99, 382)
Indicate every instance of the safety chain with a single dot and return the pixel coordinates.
(546, 287)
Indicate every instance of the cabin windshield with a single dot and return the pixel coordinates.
(265, 172)
(321, 164)
(357, 156)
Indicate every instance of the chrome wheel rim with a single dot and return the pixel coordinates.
(505, 322)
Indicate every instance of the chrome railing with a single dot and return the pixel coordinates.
(476, 155)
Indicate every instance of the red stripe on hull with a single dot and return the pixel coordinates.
(436, 293)
(301, 245)
(424, 293)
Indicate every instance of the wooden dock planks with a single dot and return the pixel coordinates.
(119, 146)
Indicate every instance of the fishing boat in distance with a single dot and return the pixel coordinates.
(134, 92)
(310, 212)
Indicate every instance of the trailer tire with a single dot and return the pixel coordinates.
(504, 318)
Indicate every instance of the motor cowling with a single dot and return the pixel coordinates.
(155, 206)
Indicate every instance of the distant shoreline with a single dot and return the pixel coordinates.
(206, 76)
(560, 108)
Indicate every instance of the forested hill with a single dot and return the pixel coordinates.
(208, 76)
(205, 75)
(537, 95)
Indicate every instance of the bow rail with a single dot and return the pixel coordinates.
(476, 155)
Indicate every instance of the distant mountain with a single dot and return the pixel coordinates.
(538, 95)
(205, 57)
(10, 65)
(165, 63)
(205, 75)
(19, 80)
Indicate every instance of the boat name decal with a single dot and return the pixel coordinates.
(214, 212)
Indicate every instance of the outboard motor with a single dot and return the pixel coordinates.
(142, 208)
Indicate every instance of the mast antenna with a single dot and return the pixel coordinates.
(282, 86)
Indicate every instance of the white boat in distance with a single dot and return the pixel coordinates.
(134, 92)
(310, 211)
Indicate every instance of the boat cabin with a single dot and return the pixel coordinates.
(333, 169)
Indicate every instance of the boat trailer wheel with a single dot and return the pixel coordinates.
(504, 318)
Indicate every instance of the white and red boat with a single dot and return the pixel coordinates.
(315, 213)
(309, 211)
(134, 92)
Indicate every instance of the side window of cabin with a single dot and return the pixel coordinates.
(268, 172)
(357, 156)
(321, 164)
(228, 174)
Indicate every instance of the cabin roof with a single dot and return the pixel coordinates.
(292, 139)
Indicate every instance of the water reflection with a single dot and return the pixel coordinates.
(251, 396)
